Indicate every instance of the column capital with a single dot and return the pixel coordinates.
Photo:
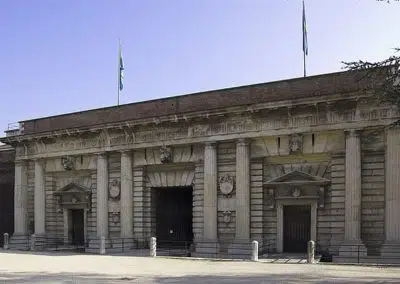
(126, 151)
(210, 144)
(101, 154)
(394, 127)
(352, 132)
(21, 162)
(243, 141)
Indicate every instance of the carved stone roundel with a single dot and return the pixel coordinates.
(226, 184)
(114, 189)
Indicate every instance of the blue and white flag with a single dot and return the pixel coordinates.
(121, 71)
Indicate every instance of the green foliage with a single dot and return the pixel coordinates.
(383, 75)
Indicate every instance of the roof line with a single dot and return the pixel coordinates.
(190, 94)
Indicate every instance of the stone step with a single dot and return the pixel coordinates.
(19, 242)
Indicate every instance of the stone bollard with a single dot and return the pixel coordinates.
(6, 239)
(254, 251)
(153, 247)
(33, 242)
(310, 252)
(102, 245)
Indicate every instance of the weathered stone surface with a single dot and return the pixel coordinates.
(347, 179)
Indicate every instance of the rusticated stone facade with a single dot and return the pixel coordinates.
(319, 147)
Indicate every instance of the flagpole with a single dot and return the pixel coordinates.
(118, 73)
(305, 41)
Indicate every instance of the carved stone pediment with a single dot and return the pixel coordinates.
(296, 185)
(74, 196)
(297, 178)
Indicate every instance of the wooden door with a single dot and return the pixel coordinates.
(296, 228)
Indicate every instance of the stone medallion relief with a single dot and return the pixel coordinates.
(114, 194)
(115, 189)
(226, 185)
(226, 202)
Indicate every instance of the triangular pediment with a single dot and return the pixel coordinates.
(72, 188)
(297, 177)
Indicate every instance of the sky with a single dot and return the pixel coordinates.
(61, 56)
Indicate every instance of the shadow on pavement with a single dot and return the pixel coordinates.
(99, 278)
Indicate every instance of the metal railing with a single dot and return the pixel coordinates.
(13, 126)
(355, 253)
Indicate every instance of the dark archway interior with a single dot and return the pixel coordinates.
(174, 214)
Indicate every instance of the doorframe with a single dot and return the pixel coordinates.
(279, 222)
(67, 213)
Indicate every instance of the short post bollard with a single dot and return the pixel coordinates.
(33, 242)
(310, 252)
(153, 247)
(6, 238)
(254, 251)
(102, 245)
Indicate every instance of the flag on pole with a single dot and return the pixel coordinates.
(121, 70)
(305, 42)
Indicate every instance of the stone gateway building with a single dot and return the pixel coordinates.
(281, 163)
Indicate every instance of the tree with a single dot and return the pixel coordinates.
(383, 75)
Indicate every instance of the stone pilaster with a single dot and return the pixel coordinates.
(126, 195)
(352, 245)
(242, 190)
(102, 195)
(39, 199)
(391, 247)
(20, 199)
(210, 192)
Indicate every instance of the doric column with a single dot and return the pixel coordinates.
(353, 187)
(210, 191)
(20, 199)
(391, 246)
(102, 195)
(126, 195)
(242, 190)
(352, 233)
(39, 198)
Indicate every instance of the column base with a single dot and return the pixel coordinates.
(391, 249)
(112, 245)
(206, 248)
(38, 242)
(351, 251)
(240, 249)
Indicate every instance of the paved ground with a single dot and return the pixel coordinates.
(20, 267)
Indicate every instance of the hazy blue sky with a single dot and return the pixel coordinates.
(60, 56)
